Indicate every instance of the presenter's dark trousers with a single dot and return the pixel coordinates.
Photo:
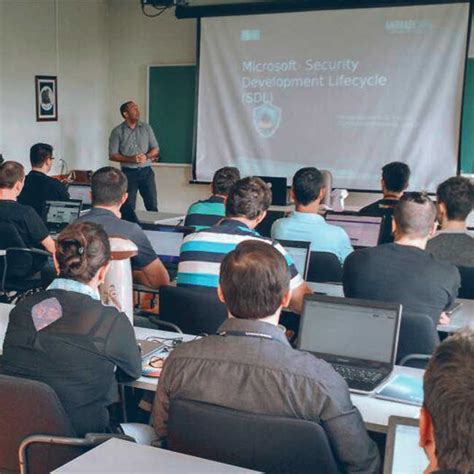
(143, 180)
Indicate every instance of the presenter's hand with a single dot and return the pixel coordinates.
(141, 158)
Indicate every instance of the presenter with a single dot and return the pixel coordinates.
(133, 144)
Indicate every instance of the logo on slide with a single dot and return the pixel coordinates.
(266, 119)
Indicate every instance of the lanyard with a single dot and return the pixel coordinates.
(245, 334)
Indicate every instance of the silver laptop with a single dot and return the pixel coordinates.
(59, 214)
(359, 338)
(81, 192)
(166, 241)
(300, 253)
(402, 452)
(363, 231)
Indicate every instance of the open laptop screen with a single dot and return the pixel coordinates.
(166, 240)
(58, 214)
(81, 192)
(299, 252)
(402, 453)
(364, 231)
(348, 328)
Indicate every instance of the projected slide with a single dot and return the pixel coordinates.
(343, 90)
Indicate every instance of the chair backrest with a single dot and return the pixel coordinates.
(467, 282)
(193, 311)
(265, 227)
(30, 407)
(270, 444)
(19, 263)
(418, 335)
(324, 267)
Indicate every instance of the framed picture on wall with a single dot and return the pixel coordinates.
(46, 88)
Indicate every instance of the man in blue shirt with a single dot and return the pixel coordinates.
(202, 252)
(305, 224)
(204, 214)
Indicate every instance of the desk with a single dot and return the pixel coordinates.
(463, 317)
(117, 455)
(330, 289)
(375, 412)
(169, 218)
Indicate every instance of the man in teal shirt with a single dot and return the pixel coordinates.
(204, 214)
(305, 224)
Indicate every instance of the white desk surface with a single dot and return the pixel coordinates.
(4, 313)
(463, 317)
(118, 456)
(374, 411)
(170, 218)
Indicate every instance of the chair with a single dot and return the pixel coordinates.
(417, 340)
(36, 435)
(265, 443)
(18, 264)
(324, 267)
(193, 311)
(467, 282)
(265, 227)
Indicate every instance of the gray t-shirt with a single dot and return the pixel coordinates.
(116, 227)
(454, 247)
(132, 141)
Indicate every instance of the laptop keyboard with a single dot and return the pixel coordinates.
(359, 378)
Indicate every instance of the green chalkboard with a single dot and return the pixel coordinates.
(171, 106)
(467, 134)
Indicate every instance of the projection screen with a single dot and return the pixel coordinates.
(342, 90)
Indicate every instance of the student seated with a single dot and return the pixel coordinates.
(202, 252)
(39, 187)
(395, 179)
(454, 202)
(109, 193)
(29, 225)
(305, 223)
(204, 214)
(250, 366)
(66, 338)
(403, 271)
(447, 415)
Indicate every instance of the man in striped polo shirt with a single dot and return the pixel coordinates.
(204, 214)
(203, 252)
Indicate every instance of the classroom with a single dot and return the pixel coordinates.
(236, 236)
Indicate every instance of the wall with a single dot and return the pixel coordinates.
(67, 38)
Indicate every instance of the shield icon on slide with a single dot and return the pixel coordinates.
(266, 119)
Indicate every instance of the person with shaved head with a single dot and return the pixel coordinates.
(403, 271)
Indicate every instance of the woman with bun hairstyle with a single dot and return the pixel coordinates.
(65, 337)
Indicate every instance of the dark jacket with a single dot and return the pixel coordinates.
(261, 375)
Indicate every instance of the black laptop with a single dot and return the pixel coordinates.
(59, 214)
(359, 338)
(166, 241)
(279, 189)
(300, 252)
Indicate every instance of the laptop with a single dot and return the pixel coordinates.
(279, 189)
(402, 453)
(59, 214)
(81, 192)
(359, 338)
(364, 231)
(300, 253)
(166, 241)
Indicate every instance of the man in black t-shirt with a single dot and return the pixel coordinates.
(39, 187)
(395, 179)
(29, 225)
(404, 272)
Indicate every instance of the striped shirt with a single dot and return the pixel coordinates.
(204, 214)
(202, 254)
